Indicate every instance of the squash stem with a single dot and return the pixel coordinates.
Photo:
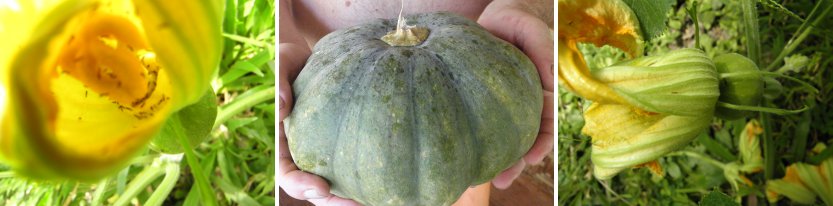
(405, 35)
(761, 109)
(774, 74)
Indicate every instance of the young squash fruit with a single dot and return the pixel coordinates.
(746, 88)
(416, 118)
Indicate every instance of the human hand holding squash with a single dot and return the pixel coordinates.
(444, 103)
(527, 26)
(296, 183)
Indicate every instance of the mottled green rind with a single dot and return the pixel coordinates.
(745, 89)
(413, 125)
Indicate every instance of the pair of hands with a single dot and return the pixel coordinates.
(512, 21)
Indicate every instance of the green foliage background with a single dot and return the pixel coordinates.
(238, 157)
(687, 180)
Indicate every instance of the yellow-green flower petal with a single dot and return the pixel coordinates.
(750, 147)
(680, 82)
(802, 183)
(88, 88)
(624, 136)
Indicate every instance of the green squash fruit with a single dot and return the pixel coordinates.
(413, 125)
(744, 89)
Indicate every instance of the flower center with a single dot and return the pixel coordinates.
(108, 55)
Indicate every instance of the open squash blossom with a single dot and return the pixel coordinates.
(88, 83)
(670, 100)
(802, 183)
(643, 108)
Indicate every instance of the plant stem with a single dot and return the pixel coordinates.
(201, 179)
(769, 146)
(99, 192)
(800, 35)
(247, 40)
(145, 177)
(239, 105)
(753, 38)
(772, 74)
(699, 156)
(164, 189)
(693, 13)
(761, 109)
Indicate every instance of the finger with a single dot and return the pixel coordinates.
(505, 178)
(334, 201)
(291, 59)
(528, 33)
(296, 183)
(545, 141)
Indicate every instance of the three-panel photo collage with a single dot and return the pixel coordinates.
(401, 102)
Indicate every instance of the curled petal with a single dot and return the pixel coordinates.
(601, 22)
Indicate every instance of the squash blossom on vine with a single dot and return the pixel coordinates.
(88, 83)
(802, 183)
(643, 108)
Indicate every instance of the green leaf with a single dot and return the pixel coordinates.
(651, 15)
(197, 120)
(716, 198)
(716, 148)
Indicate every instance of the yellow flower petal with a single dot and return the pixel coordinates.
(802, 183)
(191, 49)
(90, 86)
(624, 136)
(601, 22)
(750, 147)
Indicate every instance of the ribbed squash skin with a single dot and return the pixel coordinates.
(413, 125)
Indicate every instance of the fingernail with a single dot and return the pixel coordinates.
(312, 194)
(281, 104)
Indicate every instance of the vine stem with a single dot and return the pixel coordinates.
(804, 30)
(753, 37)
(774, 74)
(201, 179)
(144, 178)
(239, 105)
(707, 159)
(99, 192)
(167, 185)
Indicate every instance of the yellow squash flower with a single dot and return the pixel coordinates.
(642, 108)
(802, 183)
(88, 83)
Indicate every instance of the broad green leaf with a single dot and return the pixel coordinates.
(651, 16)
(197, 120)
(716, 198)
